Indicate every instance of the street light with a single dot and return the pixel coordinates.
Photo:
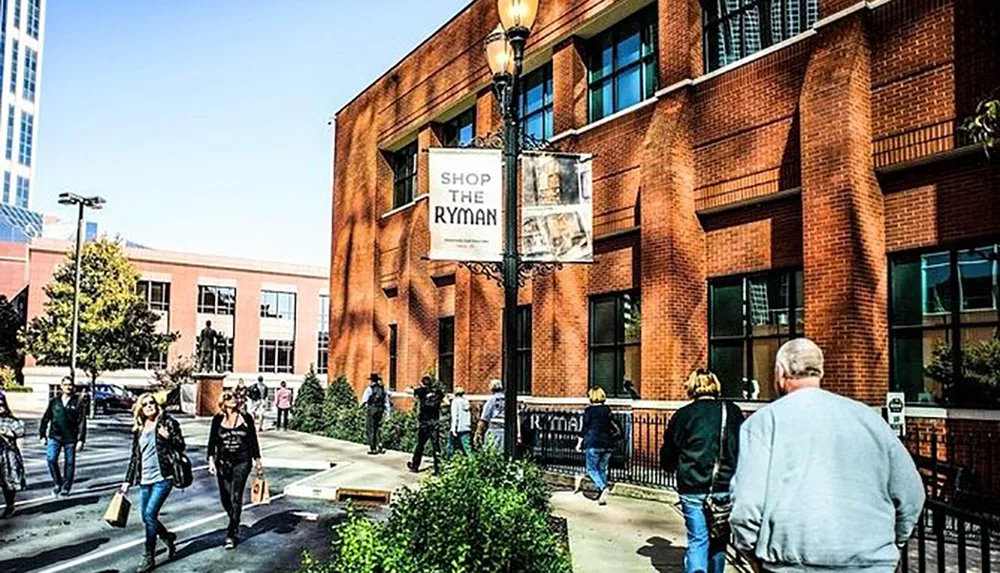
(94, 202)
(505, 54)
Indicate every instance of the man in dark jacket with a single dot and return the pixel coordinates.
(376, 402)
(64, 429)
(429, 398)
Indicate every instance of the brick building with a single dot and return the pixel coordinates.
(764, 169)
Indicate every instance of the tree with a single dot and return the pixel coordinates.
(117, 329)
(984, 125)
(10, 322)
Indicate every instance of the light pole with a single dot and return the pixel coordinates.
(505, 53)
(94, 202)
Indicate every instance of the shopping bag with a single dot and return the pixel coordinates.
(117, 513)
(259, 490)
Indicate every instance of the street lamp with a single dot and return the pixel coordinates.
(94, 202)
(505, 54)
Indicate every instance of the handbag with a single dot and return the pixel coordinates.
(183, 475)
(259, 490)
(117, 513)
(717, 510)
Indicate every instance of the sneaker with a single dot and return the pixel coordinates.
(409, 466)
(603, 498)
(148, 564)
(381, 450)
(577, 484)
(372, 453)
(55, 491)
(64, 493)
(230, 543)
(170, 540)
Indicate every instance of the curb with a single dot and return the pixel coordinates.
(665, 496)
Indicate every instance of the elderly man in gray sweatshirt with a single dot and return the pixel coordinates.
(822, 483)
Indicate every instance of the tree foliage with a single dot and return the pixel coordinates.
(117, 330)
(10, 323)
(978, 382)
(984, 125)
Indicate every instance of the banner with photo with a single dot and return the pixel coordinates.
(466, 204)
(557, 207)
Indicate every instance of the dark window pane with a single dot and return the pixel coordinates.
(632, 319)
(601, 62)
(632, 379)
(603, 365)
(912, 352)
(628, 49)
(727, 362)
(977, 271)
(604, 322)
(393, 349)
(937, 283)
(727, 308)
(800, 303)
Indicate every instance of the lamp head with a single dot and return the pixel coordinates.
(517, 16)
(499, 53)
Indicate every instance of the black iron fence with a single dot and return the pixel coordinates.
(951, 539)
(959, 466)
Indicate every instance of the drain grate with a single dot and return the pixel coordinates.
(379, 496)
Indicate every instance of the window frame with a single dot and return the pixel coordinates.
(217, 307)
(280, 298)
(647, 21)
(11, 115)
(6, 186)
(280, 348)
(13, 69)
(145, 288)
(34, 18)
(620, 344)
(522, 360)
(546, 111)
(30, 74)
(17, 14)
(22, 188)
(451, 130)
(713, 21)
(27, 139)
(322, 352)
(448, 356)
(404, 179)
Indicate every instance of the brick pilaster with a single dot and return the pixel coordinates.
(569, 85)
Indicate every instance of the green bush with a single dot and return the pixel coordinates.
(399, 431)
(482, 514)
(307, 411)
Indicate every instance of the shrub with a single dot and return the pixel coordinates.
(307, 411)
(399, 431)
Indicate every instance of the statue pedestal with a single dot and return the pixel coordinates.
(208, 389)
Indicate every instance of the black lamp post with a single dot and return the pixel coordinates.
(505, 52)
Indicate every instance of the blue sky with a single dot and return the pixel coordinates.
(204, 122)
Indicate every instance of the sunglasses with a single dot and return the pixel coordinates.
(148, 403)
(227, 396)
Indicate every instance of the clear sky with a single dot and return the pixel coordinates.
(204, 122)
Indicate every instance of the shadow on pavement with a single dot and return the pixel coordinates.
(51, 557)
(57, 505)
(281, 523)
(663, 555)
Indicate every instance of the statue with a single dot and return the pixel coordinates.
(208, 342)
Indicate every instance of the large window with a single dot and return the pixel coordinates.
(446, 351)
(944, 324)
(750, 317)
(216, 300)
(6, 186)
(156, 294)
(30, 73)
(13, 67)
(34, 17)
(536, 103)
(615, 336)
(323, 335)
(10, 132)
(276, 356)
(522, 368)
(23, 192)
(27, 137)
(393, 354)
(17, 13)
(461, 130)
(735, 29)
(280, 305)
(404, 175)
(622, 64)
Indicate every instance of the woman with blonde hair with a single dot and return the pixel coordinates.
(701, 445)
(156, 437)
(597, 440)
(232, 446)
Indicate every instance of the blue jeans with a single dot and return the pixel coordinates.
(703, 555)
(61, 482)
(598, 461)
(463, 439)
(151, 498)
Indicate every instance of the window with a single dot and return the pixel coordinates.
(156, 361)
(280, 305)
(522, 367)
(23, 191)
(461, 130)
(27, 135)
(944, 320)
(735, 29)
(30, 73)
(216, 300)
(324, 313)
(615, 335)
(13, 68)
(276, 356)
(404, 175)
(750, 317)
(393, 354)
(446, 351)
(17, 13)
(34, 16)
(156, 294)
(536, 103)
(622, 64)
(10, 132)
(322, 352)
(6, 186)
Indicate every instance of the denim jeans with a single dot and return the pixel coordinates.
(598, 461)
(61, 482)
(464, 441)
(151, 498)
(703, 555)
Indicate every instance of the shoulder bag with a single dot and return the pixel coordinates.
(717, 510)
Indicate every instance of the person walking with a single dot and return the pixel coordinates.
(822, 484)
(461, 424)
(376, 402)
(701, 445)
(232, 448)
(597, 440)
(490, 431)
(12, 478)
(156, 439)
(64, 429)
(283, 402)
(257, 397)
(429, 397)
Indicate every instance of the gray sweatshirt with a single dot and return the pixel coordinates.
(822, 483)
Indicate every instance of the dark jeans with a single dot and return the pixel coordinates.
(282, 412)
(232, 483)
(8, 499)
(427, 431)
(151, 498)
(373, 427)
(61, 482)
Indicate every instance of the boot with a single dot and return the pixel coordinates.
(148, 564)
(170, 539)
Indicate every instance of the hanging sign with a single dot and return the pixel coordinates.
(556, 208)
(466, 204)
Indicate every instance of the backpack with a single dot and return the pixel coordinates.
(377, 398)
(253, 393)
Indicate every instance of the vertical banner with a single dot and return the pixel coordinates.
(466, 204)
(556, 208)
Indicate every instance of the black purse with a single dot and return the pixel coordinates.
(717, 510)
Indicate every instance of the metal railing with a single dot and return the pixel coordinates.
(960, 467)
(947, 538)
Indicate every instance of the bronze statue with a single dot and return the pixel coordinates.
(208, 343)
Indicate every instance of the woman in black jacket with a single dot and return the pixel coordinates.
(156, 437)
(597, 440)
(232, 446)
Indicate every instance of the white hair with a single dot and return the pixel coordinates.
(496, 385)
(800, 358)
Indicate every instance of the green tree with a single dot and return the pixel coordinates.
(307, 412)
(978, 382)
(10, 323)
(984, 126)
(117, 329)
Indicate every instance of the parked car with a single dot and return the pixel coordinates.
(110, 397)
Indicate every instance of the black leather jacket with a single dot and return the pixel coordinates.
(164, 446)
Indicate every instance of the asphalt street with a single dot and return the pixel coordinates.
(50, 534)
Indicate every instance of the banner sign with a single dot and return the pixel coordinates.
(895, 409)
(556, 207)
(466, 204)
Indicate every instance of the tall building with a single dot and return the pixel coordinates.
(22, 35)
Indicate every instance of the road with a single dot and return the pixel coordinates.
(50, 534)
